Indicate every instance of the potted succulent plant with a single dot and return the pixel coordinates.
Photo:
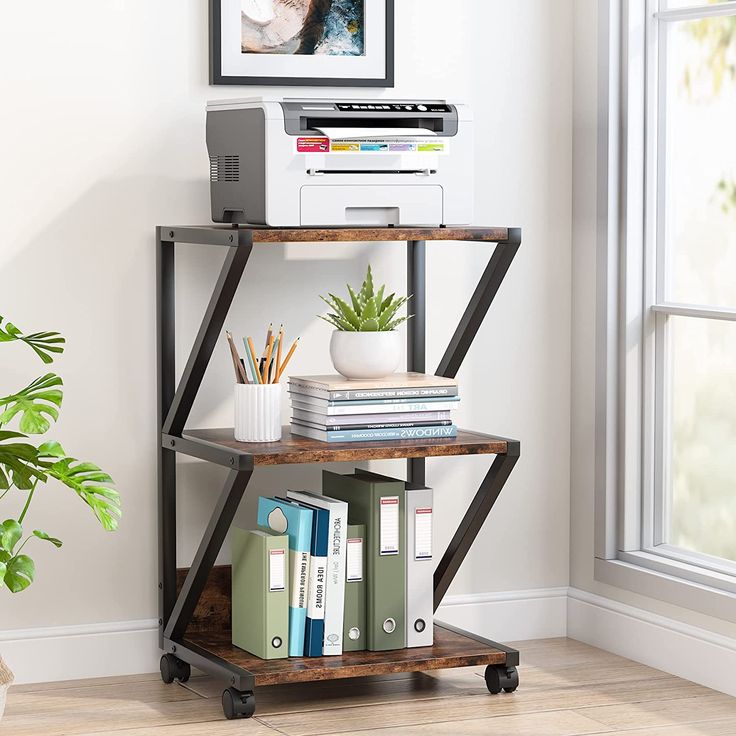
(365, 343)
(24, 465)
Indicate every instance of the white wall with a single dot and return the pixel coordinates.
(633, 625)
(103, 126)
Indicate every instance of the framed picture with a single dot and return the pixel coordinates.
(334, 43)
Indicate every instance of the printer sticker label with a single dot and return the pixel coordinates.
(341, 146)
(389, 525)
(402, 146)
(315, 144)
(374, 146)
(276, 570)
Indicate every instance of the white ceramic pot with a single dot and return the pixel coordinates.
(257, 412)
(366, 354)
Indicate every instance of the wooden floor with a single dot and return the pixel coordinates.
(566, 688)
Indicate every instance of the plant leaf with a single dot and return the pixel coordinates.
(19, 460)
(32, 402)
(393, 325)
(42, 535)
(92, 485)
(390, 311)
(19, 573)
(357, 306)
(346, 311)
(3, 569)
(10, 533)
(51, 449)
(369, 325)
(42, 343)
(387, 301)
(371, 310)
(366, 291)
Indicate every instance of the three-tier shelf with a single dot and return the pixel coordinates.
(194, 623)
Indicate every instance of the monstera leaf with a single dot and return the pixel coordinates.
(34, 403)
(19, 572)
(42, 343)
(90, 483)
(18, 462)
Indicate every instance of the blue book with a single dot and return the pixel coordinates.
(315, 629)
(284, 517)
(367, 435)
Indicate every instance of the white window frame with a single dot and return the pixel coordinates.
(631, 320)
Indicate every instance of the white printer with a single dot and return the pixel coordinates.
(327, 163)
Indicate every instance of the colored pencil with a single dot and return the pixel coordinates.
(250, 360)
(267, 365)
(278, 353)
(272, 364)
(255, 360)
(286, 360)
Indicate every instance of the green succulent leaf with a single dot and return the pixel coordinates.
(42, 535)
(393, 325)
(42, 343)
(357, 306)
(390, 311)
(345, 311)
(369, 325)
(338, 322)
(92, 485)
(19, 573)
(34, 403)
(10, 533)
(379, 297)
(370, 311)
(387, 301)
(366, 291)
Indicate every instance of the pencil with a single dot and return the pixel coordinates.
(278, 354)
(255, 360)
(250, 361)
(272, 364)
(286, 360)
(269, 333)
(268, 359)
(240, 374)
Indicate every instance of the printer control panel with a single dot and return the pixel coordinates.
(393, 107)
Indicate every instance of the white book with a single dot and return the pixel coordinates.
(335, 584)
(355, 407)
(419, 567)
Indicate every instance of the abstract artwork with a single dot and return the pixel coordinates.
(302, 42)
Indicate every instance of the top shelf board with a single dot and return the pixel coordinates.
(228, 235)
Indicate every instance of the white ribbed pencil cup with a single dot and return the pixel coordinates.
(257, 412)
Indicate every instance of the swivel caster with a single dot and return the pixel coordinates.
(501, 677)
(238, 704)
(173, 668)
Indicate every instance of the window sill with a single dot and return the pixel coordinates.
(669, 587)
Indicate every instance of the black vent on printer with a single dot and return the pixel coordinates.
(224, 168)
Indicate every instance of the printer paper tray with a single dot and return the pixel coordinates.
(324, 205)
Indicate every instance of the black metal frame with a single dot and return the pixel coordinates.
(175, 403)
(217, 77)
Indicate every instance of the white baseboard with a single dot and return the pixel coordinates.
(681, 649)
(131, 647)
(76, 652)
(510, 615)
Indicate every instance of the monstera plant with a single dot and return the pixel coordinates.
(25, 464)
(365, 343)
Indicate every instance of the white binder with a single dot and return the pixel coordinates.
(419, 567)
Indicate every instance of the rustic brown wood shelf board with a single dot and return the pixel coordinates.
(450, 650)
(342, 234)
(296, 449)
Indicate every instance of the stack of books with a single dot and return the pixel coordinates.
(346, 570)
(403, 406)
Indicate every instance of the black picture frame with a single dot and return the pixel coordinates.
(217, 78)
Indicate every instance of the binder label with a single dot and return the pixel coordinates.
(354, 560)
(423, 534)
(317, 578)
(389, 525)
(276, 570)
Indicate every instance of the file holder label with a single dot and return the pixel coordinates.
(354, 563)
(423, 534)
(276, 570)
(389, 525)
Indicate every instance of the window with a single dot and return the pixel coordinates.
(675, 283)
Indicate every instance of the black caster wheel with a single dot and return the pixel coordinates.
(500, 677)
(173, 668)
(238, 704)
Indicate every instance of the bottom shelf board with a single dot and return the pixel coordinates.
(450, 649)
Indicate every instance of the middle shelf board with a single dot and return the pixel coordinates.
(451, 649)
(296, 449)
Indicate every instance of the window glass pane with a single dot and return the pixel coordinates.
(702, 419)
(700, 162)
(670, 4)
